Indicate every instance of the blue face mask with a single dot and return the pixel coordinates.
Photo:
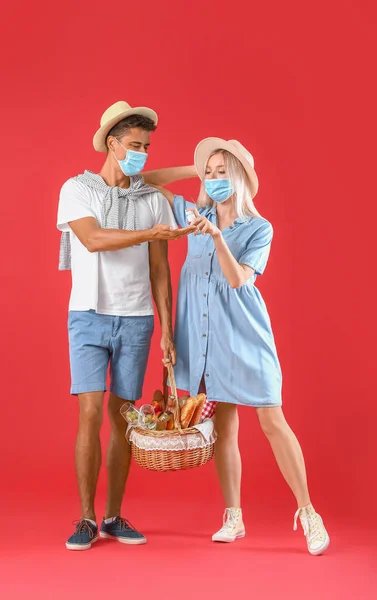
(218, 190)
(133, 163)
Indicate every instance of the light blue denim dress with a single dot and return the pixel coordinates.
(224, 335)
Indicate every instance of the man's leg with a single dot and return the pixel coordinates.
(88, 450)
(128, 364)
(89, 359)
(89, 335)
(118, 458)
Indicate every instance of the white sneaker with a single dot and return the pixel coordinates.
(317, 538)
(233, 527)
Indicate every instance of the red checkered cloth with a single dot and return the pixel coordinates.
(209, 409)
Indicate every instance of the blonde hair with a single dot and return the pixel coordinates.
(237, 175)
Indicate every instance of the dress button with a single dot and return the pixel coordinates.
(207, 374)
(210, 254)
(204, 335)
(203, 355)
(206, 272)
(204, 315)
(205, 295)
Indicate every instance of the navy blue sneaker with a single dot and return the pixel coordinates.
(85, 535)
(121, 530)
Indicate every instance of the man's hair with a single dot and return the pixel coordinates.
(131, 122)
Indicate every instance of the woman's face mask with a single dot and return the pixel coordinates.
(133, 163)
(217, 185)
(218, 190)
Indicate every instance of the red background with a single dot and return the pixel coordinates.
(294, 82)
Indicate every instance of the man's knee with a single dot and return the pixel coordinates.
(113, 409)
(91, 412)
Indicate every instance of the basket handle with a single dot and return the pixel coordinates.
(169, 373)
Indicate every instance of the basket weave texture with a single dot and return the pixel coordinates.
(175, 450)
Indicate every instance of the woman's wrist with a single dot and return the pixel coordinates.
(217, 236)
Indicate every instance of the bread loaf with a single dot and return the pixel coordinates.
(199, 403)
(158, 396)
(182, 401)
(187, 412)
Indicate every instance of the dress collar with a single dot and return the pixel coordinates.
(212, 211)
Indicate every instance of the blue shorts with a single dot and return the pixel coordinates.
(97, 341)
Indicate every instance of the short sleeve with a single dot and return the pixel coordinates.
(180, 206)
(162, 211)
(74, 204)
(258, 247)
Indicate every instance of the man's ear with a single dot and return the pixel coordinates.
(111, 143)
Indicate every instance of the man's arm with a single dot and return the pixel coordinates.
(161, 177)
(96, 239)
(162, 294)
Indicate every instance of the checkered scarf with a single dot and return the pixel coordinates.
(110, 209)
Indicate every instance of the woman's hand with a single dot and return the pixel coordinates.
(203, 225)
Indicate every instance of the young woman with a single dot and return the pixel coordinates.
(223, 333)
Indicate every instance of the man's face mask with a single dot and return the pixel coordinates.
(133, 163)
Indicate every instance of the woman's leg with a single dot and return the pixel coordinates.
(228, 464)
(290, 459)
(227, 454)
(287, 451)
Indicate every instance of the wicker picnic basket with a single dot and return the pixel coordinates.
(174, 450)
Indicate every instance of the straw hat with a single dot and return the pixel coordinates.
(206, 147)
(118, 111)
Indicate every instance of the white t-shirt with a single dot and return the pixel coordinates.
(115, 282)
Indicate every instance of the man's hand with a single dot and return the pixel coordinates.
(168, 348)
(164, 232)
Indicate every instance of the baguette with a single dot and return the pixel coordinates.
(187, 412)
(200, 400)
(182, 401)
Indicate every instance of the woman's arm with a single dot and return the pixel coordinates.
(235, 273)
(161, 177)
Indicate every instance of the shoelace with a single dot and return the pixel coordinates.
(310, 524)
(125, 524)
(82, 526)
(230, 520)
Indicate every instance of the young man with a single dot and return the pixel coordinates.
(115, 233)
